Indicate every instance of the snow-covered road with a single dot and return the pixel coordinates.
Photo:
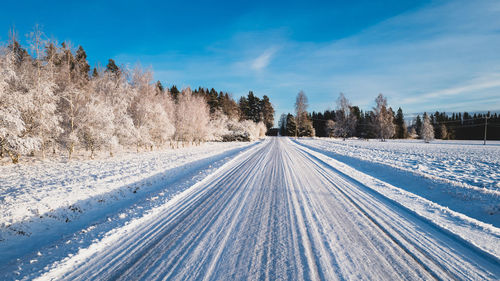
(277, 212)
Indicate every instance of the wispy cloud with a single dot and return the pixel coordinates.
(476, 85)
(263, 60)
(442, 55)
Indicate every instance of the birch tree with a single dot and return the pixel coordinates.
(42, 120)
(345, 122)
(384, 119)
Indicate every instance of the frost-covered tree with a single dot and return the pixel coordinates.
(13, 102)
(41, 119)
(218, 126)
(97, 127)
(304, 125)
(192, 118)
(427, 130)
(384, 119)
(116, 92)
(73, 90)
(330, 128)
(443, 132)
(345, 123)
(151, 111)
(48, 97)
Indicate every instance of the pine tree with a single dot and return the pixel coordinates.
(401, 130)
(112, 67)
(418, 125)
(291, 126)
(267, 112)
(82, 66)
(282, 124)
(174, 92)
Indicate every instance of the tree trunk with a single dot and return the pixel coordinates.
(92, 151)
(71, 150)
(14, 157)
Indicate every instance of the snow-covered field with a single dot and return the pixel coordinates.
(306, 209)
(461, 175)
(41, 202)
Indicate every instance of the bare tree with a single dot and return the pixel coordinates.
(304, 125)
(345, 121)
(42, 120)
(384, 119)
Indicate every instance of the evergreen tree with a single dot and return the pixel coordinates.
(267, 112)
(418, 125)
(82, 65)
(401, 130)
(174, 92)
(112, 67)
(282, 124)
(19, 54)
(159, 88)
(291, 125)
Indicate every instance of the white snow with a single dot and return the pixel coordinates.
(303, 209)
(461, 175)
(281, 211)
(41, 201)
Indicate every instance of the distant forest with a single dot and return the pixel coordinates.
(457, 126)
(383, 122)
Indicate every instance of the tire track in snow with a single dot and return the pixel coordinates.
(440, 255)
(274, 213)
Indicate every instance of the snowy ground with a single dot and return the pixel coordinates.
(281, 209)
(461, 175)
(41, 202)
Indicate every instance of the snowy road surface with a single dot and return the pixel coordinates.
(277, 212)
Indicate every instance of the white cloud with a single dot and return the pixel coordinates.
(263, 60)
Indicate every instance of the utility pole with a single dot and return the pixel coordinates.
(485, 127)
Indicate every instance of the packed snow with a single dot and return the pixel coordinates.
(279, 211)
(461, 175)
(281, 208)
(42, 201)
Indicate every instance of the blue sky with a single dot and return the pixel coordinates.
(423, 55)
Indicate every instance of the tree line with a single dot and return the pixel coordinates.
(383, 122)
(52, 100)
